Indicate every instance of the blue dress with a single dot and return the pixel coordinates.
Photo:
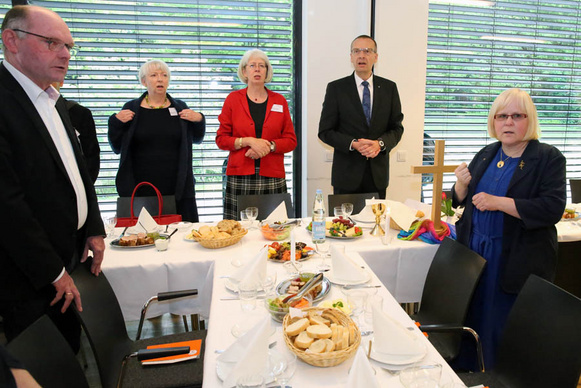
(490, 305)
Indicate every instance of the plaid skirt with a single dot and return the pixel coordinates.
(247, 185)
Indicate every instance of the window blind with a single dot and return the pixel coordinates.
(202, 41)
(477, 49)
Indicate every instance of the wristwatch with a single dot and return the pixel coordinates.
(272, 146)
(381, 143)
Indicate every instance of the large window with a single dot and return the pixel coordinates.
(201, 40)
(477, 49)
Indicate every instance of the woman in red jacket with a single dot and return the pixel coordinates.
(256, 127)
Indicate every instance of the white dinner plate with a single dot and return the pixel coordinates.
(115, 243)
(394, 359)
(180, 225)
(343, 282)
(186, 238)
(275, 365)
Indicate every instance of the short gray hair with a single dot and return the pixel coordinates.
(154, 64)
(251, 54)
(16, 17)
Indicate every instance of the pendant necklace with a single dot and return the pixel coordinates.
(155, 107)
(500, 163)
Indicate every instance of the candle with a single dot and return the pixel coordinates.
(293, 245)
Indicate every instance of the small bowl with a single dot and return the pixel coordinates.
(275, 234)
(278, 313)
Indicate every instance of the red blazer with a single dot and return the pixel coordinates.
(235, 122)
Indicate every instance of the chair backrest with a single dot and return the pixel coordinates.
(450, 283)
(575, 185)
(266, 203)
(103, 322)
(541, 342)
(150, 203)
(568, 272)
(358, 201)
(46, 354)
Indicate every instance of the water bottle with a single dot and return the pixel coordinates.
(319, 220)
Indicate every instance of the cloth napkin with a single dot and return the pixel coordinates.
(366, 214)
(403, 215)
(361, 374)
(343, 267)
(254, 270)
(249, 352)
(390, 337)
(145, 223)
(278, 214)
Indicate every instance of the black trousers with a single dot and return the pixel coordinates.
(367, 185)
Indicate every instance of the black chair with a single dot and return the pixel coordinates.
(102, 321)
(575, 190)
(358, 200)
(541, 342)
(568, 273)
(150, 203)
(46, 354)
(448, 290)
(266, 203)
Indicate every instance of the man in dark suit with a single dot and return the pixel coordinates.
(362, 120)
(49, 212)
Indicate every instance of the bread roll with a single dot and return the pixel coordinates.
(319, 331)
(297, 327)
(329, 345)
(318, 346)
(303, 340)
(316, 319)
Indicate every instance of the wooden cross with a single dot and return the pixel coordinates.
(437, 170)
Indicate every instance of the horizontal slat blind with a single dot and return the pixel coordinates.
(202, 42)
(476, 52)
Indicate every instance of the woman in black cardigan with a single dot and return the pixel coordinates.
(514, 194)
(154, 135)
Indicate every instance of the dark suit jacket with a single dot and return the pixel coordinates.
(38, 210)
(342, 120)
(529, 244)
(83, 122)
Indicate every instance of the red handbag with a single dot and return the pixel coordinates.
(161, 219)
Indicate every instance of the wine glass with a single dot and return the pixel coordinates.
(347, 209)
(109, 222)
(425, 376)
(322, 250)
(252, 214)
(284, 374)
(357, 299)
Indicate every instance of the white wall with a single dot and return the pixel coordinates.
(329, 26)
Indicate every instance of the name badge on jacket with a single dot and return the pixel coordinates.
(277, 108)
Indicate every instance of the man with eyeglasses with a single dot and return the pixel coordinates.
(50, 217)
(362, 120)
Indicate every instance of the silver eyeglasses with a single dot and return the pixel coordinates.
(365, 51)
(53, 43)
(260, 66)
(514, 116)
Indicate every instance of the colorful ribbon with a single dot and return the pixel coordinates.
(424, 230)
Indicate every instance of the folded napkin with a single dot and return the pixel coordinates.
(343, 267)
(249, 352)
(254, 270)
(390, 337)
(366, 214)
(362, 374)
(278, 214)
(403, 215)
(145, 223)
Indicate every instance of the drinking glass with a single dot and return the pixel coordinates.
(250, 381)
(357, 299)
(243, 218)
(338, 211)
(247, 293)
(347, 209)
(252, 214)
(283, 375)
(268, 282)
(109, 222)
(372, 300)
(421, 376)
(322, 250)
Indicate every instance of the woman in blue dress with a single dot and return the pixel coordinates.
(514, 192)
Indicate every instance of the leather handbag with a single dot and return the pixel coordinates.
(160, 218)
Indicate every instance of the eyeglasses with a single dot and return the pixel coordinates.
(260, 66)
(366, 51)
(54, 44)
(514, 117)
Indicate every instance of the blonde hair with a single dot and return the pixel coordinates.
(252, 54)
(154, 64)
(525, 102)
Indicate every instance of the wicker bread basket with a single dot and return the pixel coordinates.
(213, 243)
(329, 358)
